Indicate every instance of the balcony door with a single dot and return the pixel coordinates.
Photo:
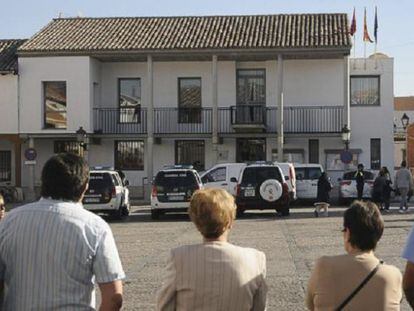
(251, 96)
(250, 149)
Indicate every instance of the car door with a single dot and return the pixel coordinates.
(313, 174)
(119, 190)
(216, 178)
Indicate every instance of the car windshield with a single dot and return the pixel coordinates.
(308, 173)
(100, 181)
(258, 175)
(170, 180)
(351, 175)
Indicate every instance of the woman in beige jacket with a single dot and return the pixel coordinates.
(214, 275)
(334, 278)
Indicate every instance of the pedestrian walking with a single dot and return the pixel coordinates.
(356, 280)
(324, 188)
(2, 208)
(388, 189)
(378, 189)
(53, 251)
(403, 184)
(360, 181)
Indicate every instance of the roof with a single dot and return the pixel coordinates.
(292, 31)
(404, 103)
(8, 56)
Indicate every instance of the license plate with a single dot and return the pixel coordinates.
(176, 198)
(92, 200)
(249, 193)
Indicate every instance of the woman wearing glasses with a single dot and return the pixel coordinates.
(357, 280)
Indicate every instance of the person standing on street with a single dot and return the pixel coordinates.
(53, 251)
(403, 183)
(360, 180)
(324, 188)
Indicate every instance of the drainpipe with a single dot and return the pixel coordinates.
(215, 139)
(280, 133)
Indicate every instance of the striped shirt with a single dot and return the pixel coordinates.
(51, 254)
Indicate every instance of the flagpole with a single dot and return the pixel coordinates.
(354, 51)
(365, 55)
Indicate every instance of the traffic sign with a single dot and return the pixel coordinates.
(346, 156)
(30, 154)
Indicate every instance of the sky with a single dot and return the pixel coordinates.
(23, 18)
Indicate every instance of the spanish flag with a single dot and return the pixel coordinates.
(352, 29)
(366, 34)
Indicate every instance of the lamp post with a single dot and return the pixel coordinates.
(346, 136)
(405, 121)
(81, 137)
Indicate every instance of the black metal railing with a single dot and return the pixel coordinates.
(182, 120)
(319, 119)
(297, 119)
(120, 120)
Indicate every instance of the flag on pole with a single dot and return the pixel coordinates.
(366, 34)
(376, 26)
(352, 29)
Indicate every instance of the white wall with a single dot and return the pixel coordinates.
(35, 70)
(375, 121)
(8, 104)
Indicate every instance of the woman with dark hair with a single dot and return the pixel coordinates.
(356, 280)
(324, 187)
(378, 189)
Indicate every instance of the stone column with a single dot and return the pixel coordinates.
(150, 120)
(215, 139)
(280, 133)
(347, 112)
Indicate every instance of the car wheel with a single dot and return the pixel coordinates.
(155, 214)
(239, 212)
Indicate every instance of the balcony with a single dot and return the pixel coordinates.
(120, 120)
(231, 120)
(182, 121)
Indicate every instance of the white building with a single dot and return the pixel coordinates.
(10, 152)
(201, 90)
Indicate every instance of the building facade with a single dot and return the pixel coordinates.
(203, 90)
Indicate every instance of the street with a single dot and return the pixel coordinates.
(291, 246)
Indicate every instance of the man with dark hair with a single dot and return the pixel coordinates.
(52, 251)
(359, 178)
(335, 278)
(403, 184)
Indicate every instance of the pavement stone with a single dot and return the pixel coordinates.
(291, 246)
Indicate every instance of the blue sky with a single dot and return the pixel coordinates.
(395, 19)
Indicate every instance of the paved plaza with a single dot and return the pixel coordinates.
(291, 246)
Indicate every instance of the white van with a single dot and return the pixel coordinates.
(224, 176)
(290, 177)
(307, 176)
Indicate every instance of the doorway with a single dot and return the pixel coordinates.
(250, 149)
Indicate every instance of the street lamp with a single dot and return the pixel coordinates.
(346, 136)
(81, 137)
(405, 120)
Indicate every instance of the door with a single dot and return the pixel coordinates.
(250, 149)
(216, 178)
(307, 182)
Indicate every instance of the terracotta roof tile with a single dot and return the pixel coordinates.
(192, 32)
(404, 103)
(8, 56)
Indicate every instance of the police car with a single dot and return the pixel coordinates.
(172, 189)
(107, 193)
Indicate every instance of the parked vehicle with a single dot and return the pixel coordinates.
(290, 177)
(172, 189)
(223, 176)
(262, 186)
(307, 176)
(107, 193)
(347, 186)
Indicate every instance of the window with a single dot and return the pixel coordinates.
(129, 98)
(54, 97)
(313, 151)
(334, 163)
(190, 152)
(251, 89)
(217, 175)
(365, 90)
(375, 153)
(61, 146)
(129, 155)
(250, 149)
(189, 100)
(5, 165)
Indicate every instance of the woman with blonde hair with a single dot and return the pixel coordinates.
(214, 275)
